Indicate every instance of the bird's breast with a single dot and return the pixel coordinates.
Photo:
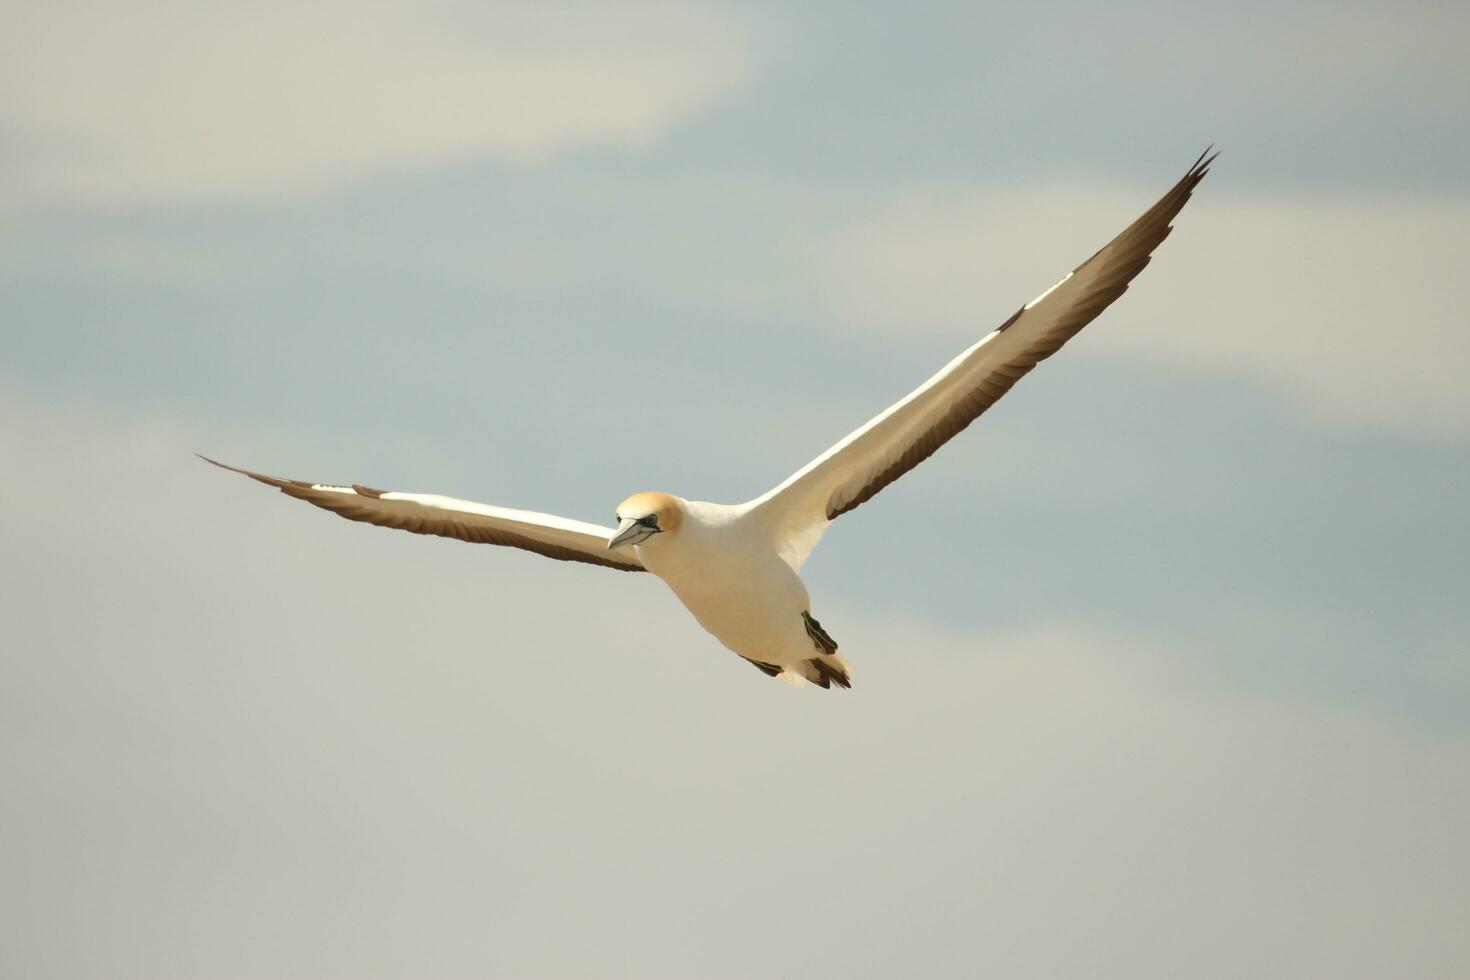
(746, 598)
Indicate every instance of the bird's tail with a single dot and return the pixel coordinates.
(828, 667)
(823, 670)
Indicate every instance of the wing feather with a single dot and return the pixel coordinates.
(858, 467)
(545, 534)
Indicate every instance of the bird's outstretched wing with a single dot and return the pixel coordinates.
(422, 513)
(907, 433)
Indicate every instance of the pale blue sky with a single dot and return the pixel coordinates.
(1161, 667)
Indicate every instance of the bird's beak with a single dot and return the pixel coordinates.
(628, 532)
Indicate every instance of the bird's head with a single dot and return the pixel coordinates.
(645, 517)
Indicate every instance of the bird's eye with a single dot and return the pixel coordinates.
(650, 521)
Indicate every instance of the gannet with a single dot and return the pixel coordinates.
(736, 566)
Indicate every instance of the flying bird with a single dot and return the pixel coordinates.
(736, 566)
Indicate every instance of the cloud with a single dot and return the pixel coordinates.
(238, 736)
(165, 99)
(1352, 305)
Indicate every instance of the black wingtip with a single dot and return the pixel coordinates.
(224, 466)
(269, 481)
(1202, 165)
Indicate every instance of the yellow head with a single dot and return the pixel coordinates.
(644, 515)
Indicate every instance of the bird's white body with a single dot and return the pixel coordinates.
(725, 568)
(736, 567)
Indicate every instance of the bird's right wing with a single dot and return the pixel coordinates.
(546, 534)
(904, 435)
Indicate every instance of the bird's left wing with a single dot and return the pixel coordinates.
(546, 534)
(907, 433)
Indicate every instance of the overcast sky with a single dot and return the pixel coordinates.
(1161, 669)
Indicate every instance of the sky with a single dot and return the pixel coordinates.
(1162, 668)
